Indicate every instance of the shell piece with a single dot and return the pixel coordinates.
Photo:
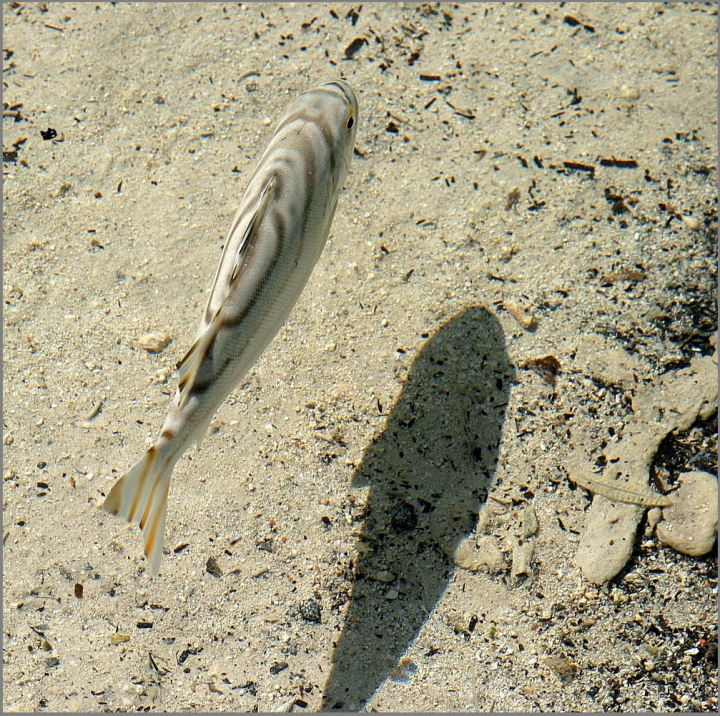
(522, 317)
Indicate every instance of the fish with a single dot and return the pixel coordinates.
(276, 237)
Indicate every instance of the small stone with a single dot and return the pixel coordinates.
(276, 668)
(690, 524)
(630, 92)
(654, 516)
(607, 543)
(119, 638)
(403, 517)
(155, 342)
(310, 611)
(385, 576)
(162, 375)
(392, 594)
(364, 547)
(485, 555)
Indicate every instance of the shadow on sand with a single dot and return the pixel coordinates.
(428, 472)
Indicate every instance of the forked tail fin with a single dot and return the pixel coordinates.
(141, 496)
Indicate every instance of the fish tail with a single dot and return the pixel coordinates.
(140, 495)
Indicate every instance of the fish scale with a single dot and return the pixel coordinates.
(275, 240)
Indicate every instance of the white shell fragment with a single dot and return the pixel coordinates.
(691, 222)
(530, 523)
(520, 315)
(521, 558)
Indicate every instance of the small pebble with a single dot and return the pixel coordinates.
(654, 516)
(629, 92)
(310, 611)
(483, 556)
(154, 342)
(162, 375)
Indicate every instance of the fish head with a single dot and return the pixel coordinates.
(334, 107)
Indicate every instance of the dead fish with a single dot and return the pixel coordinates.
(274, 242)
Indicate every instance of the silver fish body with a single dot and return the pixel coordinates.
(274, 242)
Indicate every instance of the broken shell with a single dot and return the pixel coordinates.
(529, 522)
(522, 317)
(521, 557)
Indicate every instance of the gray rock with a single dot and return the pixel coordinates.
(673, 403)
(690, 524)
(608, 540)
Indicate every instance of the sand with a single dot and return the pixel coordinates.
(526, 176)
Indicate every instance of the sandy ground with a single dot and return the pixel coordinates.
(308, 539)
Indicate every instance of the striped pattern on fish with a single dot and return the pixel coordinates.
(274, 242)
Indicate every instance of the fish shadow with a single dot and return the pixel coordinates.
(429, 473)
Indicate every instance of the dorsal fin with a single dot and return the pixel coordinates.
(223, 283)
(189, 367)
(252, 227)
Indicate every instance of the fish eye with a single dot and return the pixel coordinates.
(350, 123)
